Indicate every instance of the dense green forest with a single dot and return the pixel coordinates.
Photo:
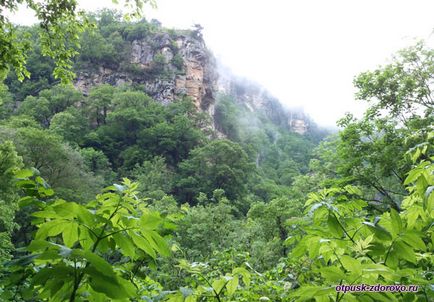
(111, 195)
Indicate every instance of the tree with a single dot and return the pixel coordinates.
(10, 163)
(210, 226)
(154, 177)
(99, 103)
(370, 151)
(60, 22)
(61, 165)
(49, 102)
(221, 164)
(70, 124)
(340, 242)
(402, 87)
(6, 102)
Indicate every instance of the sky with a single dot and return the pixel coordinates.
(306, 53)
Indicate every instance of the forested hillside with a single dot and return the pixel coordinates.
(145, 179)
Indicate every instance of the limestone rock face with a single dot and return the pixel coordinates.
(168, 67)
(257, 99)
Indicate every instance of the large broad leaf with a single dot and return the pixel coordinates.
(244, 274)
(405, 252)
(396, 221)
(380, 232)
(351, 264)
(157, 242)
(84, 215)
(97, 262)
(108, 285)
(50, 229)
(334, 225)
(66, 209)
(332, 273)
(413, 176)
(125, 244)
(23, 174)
(413, 238)
(232, 285)
(218, 284)
(70, 234)
(143, 244)
(150, 221)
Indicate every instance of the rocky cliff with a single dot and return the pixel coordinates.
(256, 98)
(172, 64)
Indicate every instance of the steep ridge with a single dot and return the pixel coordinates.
(170, 64)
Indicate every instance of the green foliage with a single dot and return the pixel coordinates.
(138, 129)
(209, 227)
(220, 288)
(273, 230)
(344, 244)
(70, 125)
(10, 162)
(178, 62)
(6, 102)
(154, 177)
(242, 236)
(402, 86)
(49, 102)
(60, 26)
(221, 164)
(87, 252)
(99, 103)
(98, 163)
(61, 165)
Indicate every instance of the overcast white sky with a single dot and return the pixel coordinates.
(307, 52)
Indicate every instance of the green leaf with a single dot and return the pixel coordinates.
(66, 209)
(218, 284)
(244, 273)
(143, 244)
(125, 244)
(84, 215)
(191, 298)
(413, 176)
(332, 273)
(97, 262)
(157, 242)
(396, 221)
(108, 285)
(50, 229)
(379, 231)
(404, 251)
(334, 226)
(150, 221)
(23, 174)
(37, 245)
(70, 234)
(350, 264)
(232, 285)
(413, 238)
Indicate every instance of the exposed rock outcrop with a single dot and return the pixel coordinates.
(256, 98)
(169, 66)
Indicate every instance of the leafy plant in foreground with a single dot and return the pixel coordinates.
(343, 244)
(91, 252)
